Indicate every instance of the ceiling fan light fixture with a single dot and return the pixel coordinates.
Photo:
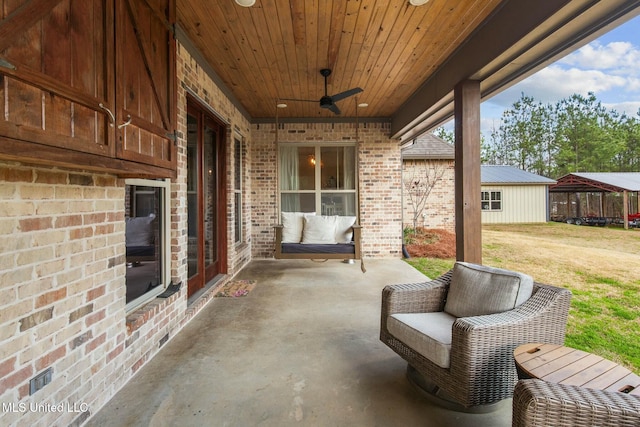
(246, 3)
(418, 2)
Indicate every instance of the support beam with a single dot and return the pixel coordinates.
(625, 209)
(467, 172)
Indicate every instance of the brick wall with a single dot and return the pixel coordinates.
(62, 276)
(439, 211)
(193, 80)
(379, 175)
(61, 288)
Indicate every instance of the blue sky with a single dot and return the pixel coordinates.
(608, 66)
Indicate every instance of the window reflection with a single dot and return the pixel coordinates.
(143, 240)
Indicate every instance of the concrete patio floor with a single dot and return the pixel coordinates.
(301, 349)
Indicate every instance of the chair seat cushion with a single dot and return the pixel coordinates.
(427, 333)
(476, 290)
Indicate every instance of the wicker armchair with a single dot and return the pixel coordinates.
(481, 370)
(539, 403)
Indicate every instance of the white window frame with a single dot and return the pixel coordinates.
(490, 200)
(318, 191)
(164, 230)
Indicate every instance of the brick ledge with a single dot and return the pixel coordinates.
(142, 315)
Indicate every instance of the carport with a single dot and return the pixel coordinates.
(602, 183)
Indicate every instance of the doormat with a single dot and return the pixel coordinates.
(236, 288)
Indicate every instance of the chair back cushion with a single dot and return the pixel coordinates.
(476, 290)
(427, 333)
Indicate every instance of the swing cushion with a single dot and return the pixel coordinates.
(327, 230)
(319, 230)
(344, 229)
(342, 232)
(306, 248)
(292, 225)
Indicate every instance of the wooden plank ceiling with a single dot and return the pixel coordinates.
(276, 49)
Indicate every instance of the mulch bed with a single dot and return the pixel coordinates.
(431, 243)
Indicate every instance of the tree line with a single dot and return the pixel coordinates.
(577, 134)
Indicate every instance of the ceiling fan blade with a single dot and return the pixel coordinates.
(334, 108)
(346, 94)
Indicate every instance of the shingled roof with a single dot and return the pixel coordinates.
(429, 147)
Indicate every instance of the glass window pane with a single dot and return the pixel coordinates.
(238, 216)
(343, 204)
(298, 202)
(338, 168)
(143, 240)
(297, 168)
(237, 164)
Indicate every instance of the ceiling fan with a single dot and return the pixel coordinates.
(329, 102)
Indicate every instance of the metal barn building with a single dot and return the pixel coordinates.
(511, 195)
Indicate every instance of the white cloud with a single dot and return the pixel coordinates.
(628, 108)
(633, 83)
(554, 83)
(618, 57)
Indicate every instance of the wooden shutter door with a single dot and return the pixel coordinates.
(55, 71)
(145, 81)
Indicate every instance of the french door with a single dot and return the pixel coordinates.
(206, 255)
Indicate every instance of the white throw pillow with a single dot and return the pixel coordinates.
(292, 223)
(476, 290)
(344, 232)
(319, 230)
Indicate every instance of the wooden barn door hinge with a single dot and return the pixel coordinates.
(173, 136)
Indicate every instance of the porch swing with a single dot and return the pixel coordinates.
(303, 235)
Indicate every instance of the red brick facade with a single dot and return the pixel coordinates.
(439, 211)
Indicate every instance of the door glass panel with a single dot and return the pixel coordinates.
(192, 195)
(210, 196)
